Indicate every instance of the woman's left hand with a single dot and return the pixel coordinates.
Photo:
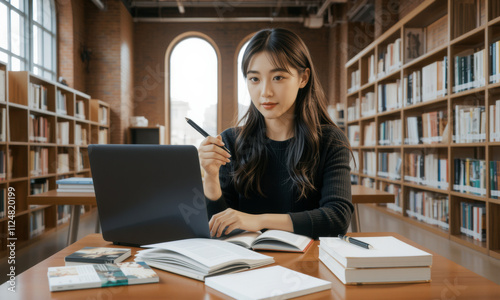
(230, 220)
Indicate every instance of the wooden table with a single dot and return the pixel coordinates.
(362, 194)
(76, 200)
(449, 280)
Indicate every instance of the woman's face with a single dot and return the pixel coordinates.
(273, 90)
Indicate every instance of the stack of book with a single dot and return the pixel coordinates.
(75, 185)
(389, 261)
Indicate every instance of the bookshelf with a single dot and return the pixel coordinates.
(426, 125)
(46, 128)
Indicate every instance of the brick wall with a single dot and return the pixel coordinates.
(65, 51)
(151, 41)
(127, 67)
(108, 34)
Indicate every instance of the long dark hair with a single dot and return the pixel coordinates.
(285, 49)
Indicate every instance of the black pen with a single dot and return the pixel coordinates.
(203, 132)
(356, 242)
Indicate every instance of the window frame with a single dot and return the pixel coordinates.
(28, 54)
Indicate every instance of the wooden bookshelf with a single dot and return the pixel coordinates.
(45, 140)
(457, 44)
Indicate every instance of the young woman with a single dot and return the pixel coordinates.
(288, 166)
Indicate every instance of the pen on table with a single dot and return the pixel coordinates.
(203, 132)
(356, 242)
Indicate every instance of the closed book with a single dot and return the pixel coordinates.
(198, 258)
(274, 282)
(100, 275)
(387, 252)
(276, 240)
(97, 255)
(75, 190)
(374, 275)
(75, 180)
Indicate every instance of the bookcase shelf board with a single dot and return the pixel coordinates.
(38, 146)
(449, 68)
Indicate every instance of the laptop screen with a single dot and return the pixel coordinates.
(148, 193)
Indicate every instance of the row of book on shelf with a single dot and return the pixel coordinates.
(38, 99)
(432, 127)
(473, 220)
(430, 82)
(433, 209)
(3, 124)
(389, 60)
(431, 169)
(429, 128)
(428, 207)
(470, 176)
(39, 162)
(5, 168)
(418, 86)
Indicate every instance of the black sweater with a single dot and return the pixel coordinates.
(325, 212)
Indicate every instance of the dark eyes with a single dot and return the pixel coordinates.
(276, 78)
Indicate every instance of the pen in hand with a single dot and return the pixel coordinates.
(203, 132)
(356, 242)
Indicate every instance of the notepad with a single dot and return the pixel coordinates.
(387, 252)
(275, 282)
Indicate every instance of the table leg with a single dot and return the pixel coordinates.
(97, 225)
(73, 225)
(355, 225)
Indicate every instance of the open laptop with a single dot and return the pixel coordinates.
(148, 193)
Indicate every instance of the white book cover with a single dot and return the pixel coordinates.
(274, 282)
(374, 275)
(387, 252)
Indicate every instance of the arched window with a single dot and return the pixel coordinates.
(43, 24)
(193, 90)
(28, 36)
(243, 95)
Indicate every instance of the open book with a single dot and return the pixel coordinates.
(198, 258)
(276, 240)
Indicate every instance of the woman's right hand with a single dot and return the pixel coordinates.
(212, 156)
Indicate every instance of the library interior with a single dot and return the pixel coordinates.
(413, 85)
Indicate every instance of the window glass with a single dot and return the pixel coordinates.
(4, 57)
(37, 16)
(4, 37)
(19, 4)
(47, 15)
(15, 32)
(243, 95)
(47, 50)
(37, 45)
(193, 90)
(15, 64)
